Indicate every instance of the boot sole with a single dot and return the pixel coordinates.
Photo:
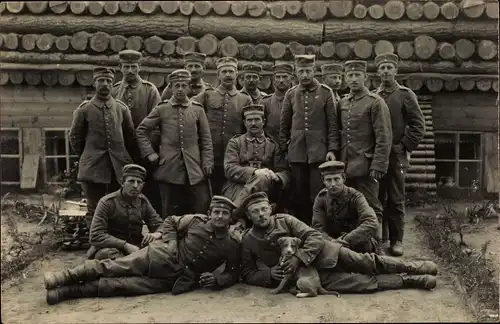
(49, 280)
(431, 283)
(52, 297)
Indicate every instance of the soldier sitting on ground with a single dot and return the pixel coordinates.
(191, 249)
(116, 228)
(342, 213)
(340, 268)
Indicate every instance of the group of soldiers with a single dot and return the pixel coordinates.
(238, 164)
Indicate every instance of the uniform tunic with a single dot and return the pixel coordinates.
(272, 108)
(346, 214)
(258, 98)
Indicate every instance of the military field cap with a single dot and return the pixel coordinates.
(222, 202)
(227, 61)
(255, 198)
(332, 68)
(195, 57)
(386, 58)
(305, 60)
(103, 72)
(282, 68)
(331, 167)
(129, 56)
(253, 109)
(355, 65)
(251, 68)
(134, 170)
(179, 75)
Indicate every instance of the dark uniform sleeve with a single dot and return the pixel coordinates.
(78, 131)
(312, 240)
(200, 97)
(414, 120)
(252, 274)
(381, 121)
(205, 140)
(368, 223)
(231, 273)
(145, 127)
(129, 134)
(281, 166)
(152, 219)
(232, 168)
(332, 123)
(154, 98)
(319, 215)
(285, 122)
(174, 227)
(99, 236)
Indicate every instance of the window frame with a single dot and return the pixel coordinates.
(457, 160)
(67, 148)
(19, 155)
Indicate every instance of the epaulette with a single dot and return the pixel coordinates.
(325, 86)
(83, 103)
(322, 192)
(374, 95)
(111, 195)
(237, 136)
(121, 102)
(196, 103)
(147, 82)
(402, 87)
(117, 83)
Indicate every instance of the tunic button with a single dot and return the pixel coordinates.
(306, 118)
(307, 129)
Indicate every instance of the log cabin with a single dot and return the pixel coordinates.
(448, 52)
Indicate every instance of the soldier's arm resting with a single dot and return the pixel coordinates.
(332, 124)
(206, 148)
(153, 220)
(231, 273)
(281, 167)
(414, 120)
(99, 235)
(368, 222)
(174, 227)
(145, 127)
(78, 131)
(285, 123)
(381, 121)
(319, 217)
(232, 168)
(312, 240)
(250, 273)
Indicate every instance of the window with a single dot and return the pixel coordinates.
(10, 156)
(59, 157)
(458, 159)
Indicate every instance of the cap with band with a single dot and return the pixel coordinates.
(255, 198)
(194, 57)
(251, 68)
(282, 68)
(227, 61)
(179, 75)
(386, 58)
(222, 202)
(330, 167)
(103, 72)
(134, 170)
(355, 65)
(129, 56)
(332, 68)
(305, 60)
(253, 109)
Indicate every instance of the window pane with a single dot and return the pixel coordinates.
(10, 142)
(55, 143)
(445, 173)
(469, 173)
(470, 146)
(55, 169)
(445, 146)
(10, 169)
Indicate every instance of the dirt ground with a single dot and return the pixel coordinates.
(23, 301)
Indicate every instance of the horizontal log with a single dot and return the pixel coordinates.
(431, 10)
(340, 8)
(28, 41)
(421, 168)
(414, 11)
(113, 7)
(78, 7)
(37, 7)
(220, 7)
(58, 7)
(421, 161)
(487, 49)
(315, 10)
(15, 6)
(412, 186)
(63, 43)
(420, 177)
(359, 11)
(394, 9)
(127, 6)
(174, 26)
(492, 9)
(256, 8)
(450, 10)
(277, 9)
(376, 11)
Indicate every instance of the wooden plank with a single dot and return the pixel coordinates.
(37, 109)
(29, 171)
(43, 94)
(35, 121)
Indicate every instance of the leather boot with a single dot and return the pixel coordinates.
(392, 281)
(396, 248)
(83, 272)
(394, 265)
(83, 290)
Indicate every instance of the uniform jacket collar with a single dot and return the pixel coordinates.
(343, 194)
(259, 138)
(125, 203)
(258, 93)
(279, 96)
(223, 90)
(358, 95)
(389, 89)
(175, 102)
(207, 226)
(134, 84)
(101, 104)
(313, 87)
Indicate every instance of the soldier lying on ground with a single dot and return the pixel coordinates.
(116, 228)
(342, 213)
(340, 268)
(192, 247)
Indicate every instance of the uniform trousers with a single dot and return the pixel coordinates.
(306, 183)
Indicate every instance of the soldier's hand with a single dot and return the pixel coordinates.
(207, 280)
(153, 157)
(130, 248)
(260, 172)
(150, 237)
(274, 176)
(376, 175)
(291, 264)
(207, 170)
(277, 272)
(330, 156)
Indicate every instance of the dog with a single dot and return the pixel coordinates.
(306, 278)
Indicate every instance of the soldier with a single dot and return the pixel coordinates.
(332, 77)
(223, 106)
(408, 128)
(186, 157)
(340, 268)
(141, 97)
(116, 228)
(251, 78)
(253, 161)
(282, 81)
(195, 63)
(342, 213)
(191, 249)
(365, 137)
(102, 135)
(307, 133)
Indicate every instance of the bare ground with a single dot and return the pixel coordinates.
(23, 301)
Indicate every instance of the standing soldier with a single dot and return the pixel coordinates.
(332, 77)
(223, 106)
(408, 128)
(307, 132)
(282, 81)
(366, 137)
(102, 135)
(141, 97)
(186, 156)
(195, 63)
(251, 78)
